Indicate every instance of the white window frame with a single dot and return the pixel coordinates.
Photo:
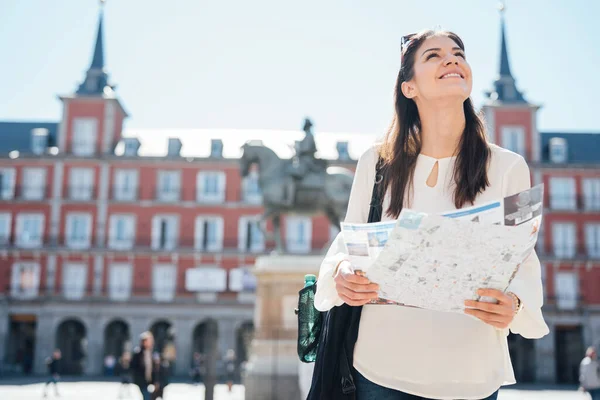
(7, 190)
(164, 282)
(33, 185)
(215, 246)
(121, 192)
(592, 240)
(127, 243)
(566, 286)
(81, 183)
(564, 238)
(291, 229)
(251, 182)
(74, 290)
(513, 138)
(255, 247)
(172, 240)
(37, 237)
(85, 136)
(237, 277)
(563, 193)
(201, 195)
(591, 193)
(172, 194)
(78, 242)
(33, 280)
(5, 227)
(119, 289)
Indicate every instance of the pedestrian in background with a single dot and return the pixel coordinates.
(142, 367)
(125, 369)
(230, 368)
(53, 364)
(589, 373)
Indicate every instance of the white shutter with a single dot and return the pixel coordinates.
(222, 185)
(156, 222)
(298, 234)
(562, 193)
(119, 281)
(81, 183)
(34, 182)
(78, 230)
(29, 229)
(566, 290)
(5, 222)
(25, 280)
(592, 239)
(84, 136)
(164, 279)
(74, 281)
(7, 182)
(564, 239)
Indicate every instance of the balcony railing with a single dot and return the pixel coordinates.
(32, 192)
(80, 192)
(577, 253)
(572, 203)
(125, 193)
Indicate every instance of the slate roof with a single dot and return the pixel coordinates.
(16, 135)
(582, 148)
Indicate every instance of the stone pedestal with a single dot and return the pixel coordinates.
(272, 370)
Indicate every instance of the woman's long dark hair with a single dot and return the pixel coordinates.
(402, 143)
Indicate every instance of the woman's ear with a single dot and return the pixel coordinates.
(408, 90)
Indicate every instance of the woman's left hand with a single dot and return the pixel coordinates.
(499, 315)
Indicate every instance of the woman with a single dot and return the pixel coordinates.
(435, 158)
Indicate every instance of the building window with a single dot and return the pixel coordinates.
(591, 194)
(563, 235)
(25, 280)
(298, 234)
(5, 225)
(84, 136)
(119, 281)
(250, 237)
(125, 185)
(169, 185)
(513, 139)
(7, 183)
(210, 187)
(242, 280)
(74, 280)
(165, 232)
(81, 184)
(164, 279)
(251, 192)
(592, 240)
(562, 194)
(78, 230)
(121, 231)
(29, 230)
(567, 290)
(34, 183)
(208, 233)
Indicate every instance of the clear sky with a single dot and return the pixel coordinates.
(268, 63)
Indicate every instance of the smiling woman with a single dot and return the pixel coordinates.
(435, 158)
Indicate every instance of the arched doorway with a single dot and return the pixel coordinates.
(164, 341)
(117, 339)
(205, 339)
(522, 356)
(243, 338)
(72, 342)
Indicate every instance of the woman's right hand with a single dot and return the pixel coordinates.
(353, 289)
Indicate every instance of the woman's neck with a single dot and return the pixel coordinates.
(442, 127)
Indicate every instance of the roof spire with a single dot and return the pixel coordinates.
(96, 80)
(505, 89)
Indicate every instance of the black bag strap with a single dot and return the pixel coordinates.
(375, 214)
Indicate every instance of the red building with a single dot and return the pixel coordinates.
(105, 233)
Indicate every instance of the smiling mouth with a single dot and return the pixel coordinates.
(452, 75)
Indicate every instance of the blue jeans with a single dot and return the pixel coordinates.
(595, 393)
(367, 390)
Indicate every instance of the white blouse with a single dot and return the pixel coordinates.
(433, 354)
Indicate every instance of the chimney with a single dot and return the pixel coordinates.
(174, 149)
(216, 148)
(559, 150)
(39, 140)
(342, 149)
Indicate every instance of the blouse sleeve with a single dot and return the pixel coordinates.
(326, 296)
(527, 283)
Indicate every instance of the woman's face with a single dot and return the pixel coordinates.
(440, 72)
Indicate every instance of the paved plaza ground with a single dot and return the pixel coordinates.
(182, 391)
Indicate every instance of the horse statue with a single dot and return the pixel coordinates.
(327, 191)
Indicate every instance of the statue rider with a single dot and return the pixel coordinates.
(303, 162)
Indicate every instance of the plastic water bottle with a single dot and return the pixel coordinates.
(309, 280)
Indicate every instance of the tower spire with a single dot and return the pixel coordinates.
(505, 88)
(96, 79)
